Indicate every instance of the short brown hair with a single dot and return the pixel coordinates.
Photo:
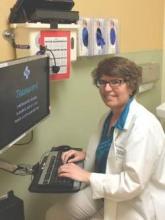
(119, 67)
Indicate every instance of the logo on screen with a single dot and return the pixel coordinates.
(26, 72)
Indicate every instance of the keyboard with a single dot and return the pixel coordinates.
(46, 178)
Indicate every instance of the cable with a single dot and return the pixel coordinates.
(43, 49)
(28, 142)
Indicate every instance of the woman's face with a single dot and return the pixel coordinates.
(114, 94)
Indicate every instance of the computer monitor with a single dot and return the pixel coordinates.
(24, 97)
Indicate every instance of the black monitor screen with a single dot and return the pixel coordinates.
(24, 96)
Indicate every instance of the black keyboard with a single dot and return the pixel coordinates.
(46, 178)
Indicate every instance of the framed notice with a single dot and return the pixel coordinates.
(58, 45)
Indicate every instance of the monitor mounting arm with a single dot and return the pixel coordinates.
(10, 36)
(17, 169)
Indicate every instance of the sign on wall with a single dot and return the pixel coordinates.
(58, 45)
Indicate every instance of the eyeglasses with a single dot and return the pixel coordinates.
(113, 83)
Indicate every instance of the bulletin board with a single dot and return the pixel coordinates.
(58, 42)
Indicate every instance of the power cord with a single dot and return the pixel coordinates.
(43, 49)
(28, 142)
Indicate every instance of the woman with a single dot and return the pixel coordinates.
(124, 162)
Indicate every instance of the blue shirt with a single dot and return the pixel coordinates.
(107, 137)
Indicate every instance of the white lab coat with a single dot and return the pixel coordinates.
(133, 186)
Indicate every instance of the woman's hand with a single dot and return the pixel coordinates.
(73, 156)
(75, 172)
